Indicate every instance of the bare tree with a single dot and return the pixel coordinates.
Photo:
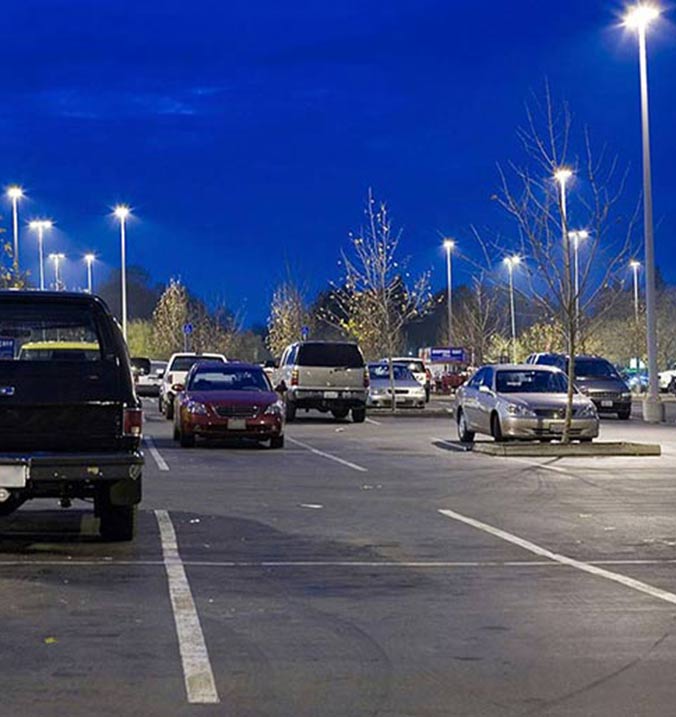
(376, 299)
(288, 316)
(547, 212)
(169, 317)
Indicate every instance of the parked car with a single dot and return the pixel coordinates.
(174, 377)
(70, 423)
(228, 400)
(407, 389)
(596, 377)
(417, 368)
(522, 401)
(147, 375)
(324, 375)
(667, 379)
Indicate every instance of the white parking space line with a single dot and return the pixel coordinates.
(330, 456)
(199, 677)
(161, 463)
(563, 559)
(375, 423)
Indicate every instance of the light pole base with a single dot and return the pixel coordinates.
(653, 410)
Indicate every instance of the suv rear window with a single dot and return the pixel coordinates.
(48, 332)
(345, 355)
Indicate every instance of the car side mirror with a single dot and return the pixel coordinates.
(281, 387)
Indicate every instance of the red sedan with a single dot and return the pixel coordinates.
(228, 400)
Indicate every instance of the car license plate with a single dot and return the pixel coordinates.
(606, 404)
(237, 424)
(14, 476)
(556, 427)
(330, 394)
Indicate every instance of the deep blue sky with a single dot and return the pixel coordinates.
(245, 134)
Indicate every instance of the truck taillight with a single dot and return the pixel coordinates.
(367, 378)
(294, 377)
(133, 422)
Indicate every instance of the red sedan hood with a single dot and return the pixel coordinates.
(262, 399)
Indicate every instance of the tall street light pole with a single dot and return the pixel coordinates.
(39, 225)
(57, 258)
(15, 193)
(577, 237)
(511, 262)
(122, 213)
(639, 19)
(449, 245)
(89, 260)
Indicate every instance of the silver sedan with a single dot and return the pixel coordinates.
(522, 401)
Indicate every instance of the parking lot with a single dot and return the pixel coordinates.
(365, 569)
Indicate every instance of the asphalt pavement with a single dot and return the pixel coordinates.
(370, 569)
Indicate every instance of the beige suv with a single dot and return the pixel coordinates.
(324, 375)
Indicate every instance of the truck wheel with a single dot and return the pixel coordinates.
(359, 415)
(277, 442)
(340, 413)
(290, 411)
(118, 522)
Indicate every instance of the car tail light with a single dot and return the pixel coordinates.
(294, 377)
(133, 422)
(367, 378)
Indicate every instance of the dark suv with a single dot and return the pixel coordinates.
(597, 378)
(70, 422)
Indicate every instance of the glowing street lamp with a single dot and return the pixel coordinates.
(14, 193)
(639, 18)
(57, 259)
(635, 266)
(89, 260)
(449, 245)
(511, 262)
(39, 226)
(122, 213)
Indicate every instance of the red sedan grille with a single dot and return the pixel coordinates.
(237, 411)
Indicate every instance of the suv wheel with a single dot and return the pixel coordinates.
(340, 413)
(464, 434)
(290, 411)
(118, 522)
(359, 414)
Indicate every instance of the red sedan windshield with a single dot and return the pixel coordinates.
(230, 378)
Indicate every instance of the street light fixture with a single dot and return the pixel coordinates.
(39, 225)
(639, 18)
(89, 260)
(635, 266)
(14, 193)
(57, 259)
(511, 262)
(449, 245)
(122, 213)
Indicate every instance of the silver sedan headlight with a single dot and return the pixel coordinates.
(518, 409)
(588, 411)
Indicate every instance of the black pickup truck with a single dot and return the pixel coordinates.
(70, 422)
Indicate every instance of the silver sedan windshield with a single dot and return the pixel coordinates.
(521, 381)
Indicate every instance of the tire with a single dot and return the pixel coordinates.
(277, 442)
(117, 522)
(177, 434)
(464, 434)
(427, 395)
(187, 440)
(496, 429)
(160, 405)
(340, 413)
(290, 411)
(359, 415)
(169, 410)
(624, 415)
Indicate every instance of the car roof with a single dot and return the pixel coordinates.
(212, 365)
(522, 367)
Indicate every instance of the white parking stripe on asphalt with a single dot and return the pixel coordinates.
(161, 463)
(563, 559)
(330, 456)
(375, 423)
(198, 675)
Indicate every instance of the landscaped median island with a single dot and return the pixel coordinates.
(567, 450)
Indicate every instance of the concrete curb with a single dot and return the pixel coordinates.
(570, 450)
(410, 413)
